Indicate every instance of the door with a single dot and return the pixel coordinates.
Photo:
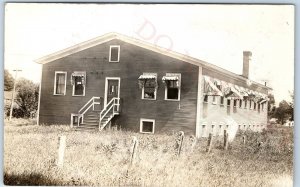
(112, 89)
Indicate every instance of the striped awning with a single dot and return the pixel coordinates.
(147, 76)
(170, 78)
(210, 88)
(78, 74)
(232, 93)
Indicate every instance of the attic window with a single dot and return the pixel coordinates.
(114, 53)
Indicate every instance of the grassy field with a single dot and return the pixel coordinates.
(102, 159)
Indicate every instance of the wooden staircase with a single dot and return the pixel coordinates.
(98, 119)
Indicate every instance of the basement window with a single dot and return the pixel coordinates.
(78, 80)
(172, 86)
(147, 125)
(114, 53)
(60, 82)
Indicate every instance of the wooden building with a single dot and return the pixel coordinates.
(115, 80)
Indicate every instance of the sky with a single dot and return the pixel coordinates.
(217, 34)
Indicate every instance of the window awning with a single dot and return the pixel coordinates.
(149, 79)
(143, 77)
(242, 91)
(170, 78)
(232, 93)
(210, 88)
(78, 74)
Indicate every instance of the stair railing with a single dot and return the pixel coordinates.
(91, 103)
(114, 106)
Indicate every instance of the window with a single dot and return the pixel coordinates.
(172, 86)
(147, 125)
(214, 101)
(114, 53)
(245, 103)
(254, 106)
(262, 106)
(149, 85)
(258, 107)
(250, 105)
(240, 103)
(234, 103)
(228, 102)
(60, 81)
(78, 81)
(222, 100)
(205, 100)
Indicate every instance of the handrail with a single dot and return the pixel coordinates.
(108, 108)
(92, 99)
(89, 104)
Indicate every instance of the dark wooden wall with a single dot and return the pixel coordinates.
(134, 60)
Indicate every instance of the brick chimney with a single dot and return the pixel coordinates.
(246, 60)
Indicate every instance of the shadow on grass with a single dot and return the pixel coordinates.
(29, 180)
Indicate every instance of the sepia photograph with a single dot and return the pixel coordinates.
(106, 94)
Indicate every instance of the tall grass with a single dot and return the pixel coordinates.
(103, 158)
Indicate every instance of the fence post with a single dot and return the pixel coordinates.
(133, 149)
(179, 142)
(225, 140)
(193, 140)
(209, 143)
(61, 150)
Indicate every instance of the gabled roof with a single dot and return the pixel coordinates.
(110, 36)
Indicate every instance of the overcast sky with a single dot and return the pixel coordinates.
(217, 34)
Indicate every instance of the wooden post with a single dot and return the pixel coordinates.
(225, 140)
(133, 149)
(193, 140)
(179, 142)
(61, 150)
(209, 143)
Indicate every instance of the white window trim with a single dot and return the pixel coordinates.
(147, 120)
(110, 47)
(179, 89)
(155, 92)
(54, 91)
(73, 89)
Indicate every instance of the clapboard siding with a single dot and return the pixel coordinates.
(134, 61)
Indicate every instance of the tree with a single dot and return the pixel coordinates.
(282, 112)
(8, 81)
(271, 105)
(292, 105)
(27, 98)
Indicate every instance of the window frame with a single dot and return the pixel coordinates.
(235, 103)
(66, 77)
(222, 103)
(113, 46)
(73, 86)
(245, 104)
(205, 96)
(240, 103)
(155, 92)
(147, 120)
(179, 89)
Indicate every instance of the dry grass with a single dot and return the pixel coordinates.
(102, 159)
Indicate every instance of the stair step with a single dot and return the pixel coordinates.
(89, 123)
(91, 120)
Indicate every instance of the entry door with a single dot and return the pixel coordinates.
(112, 89)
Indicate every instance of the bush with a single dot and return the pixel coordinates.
(26, 98)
